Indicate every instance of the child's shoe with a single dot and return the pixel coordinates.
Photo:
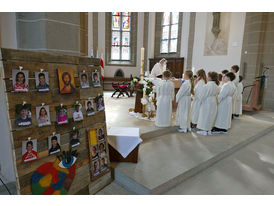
(202, 132)
(182, 130)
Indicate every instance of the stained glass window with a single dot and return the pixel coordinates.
(169, 38)
(120, 35)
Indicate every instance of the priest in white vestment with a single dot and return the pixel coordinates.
(158, 69)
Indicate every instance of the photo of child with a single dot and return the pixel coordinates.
(89, 108)
(42, 81)
(84, 80)
(96, 168)
(77, 114)
(61, 115)
(95, 79)
(20, 80)
(54, 144)
(102, 150)
(94, 152)
(100, 134)
(74, 138)
(29, 150)
(23, 115)
(43, 116)
(103, 163)
(100, 103)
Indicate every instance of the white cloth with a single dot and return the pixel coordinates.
(183, 98)
(236, 82)
(157, 70)
(208, 109)
(124, 139)
(224, 112)
(238, 99)
(197, 101)
(165, 95)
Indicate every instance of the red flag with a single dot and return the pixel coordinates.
(102, 67)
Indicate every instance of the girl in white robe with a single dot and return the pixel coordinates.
(224, 112)
(183, 98)
(165, 95)
(238, 98)
(199, 83)
(208, 109)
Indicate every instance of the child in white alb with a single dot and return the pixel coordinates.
(235, 69)
(238, 99)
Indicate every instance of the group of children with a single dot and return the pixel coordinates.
(217, 98)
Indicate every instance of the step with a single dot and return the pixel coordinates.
(168, 159)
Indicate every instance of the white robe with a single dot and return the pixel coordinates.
(224, 112)
(236, 82)
(157, 70)
(197, 101)
(165, 95)
(238, 99)
(208, 109)
(183, 98)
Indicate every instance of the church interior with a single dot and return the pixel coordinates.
(105, 126)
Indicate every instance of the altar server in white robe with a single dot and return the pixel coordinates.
(183, 98)
(238, 98)
(235, 69)
(208, 109)
(165, 95)
(199, 83)
(158, 69)
(223, 120)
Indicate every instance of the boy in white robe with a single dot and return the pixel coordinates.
(223, 120)
(165, 95)
(235, 69)
(238, 99)
(183, 98)
(199, 83)
(208, 109)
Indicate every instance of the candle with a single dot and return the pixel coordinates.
(142, 62)
(144, 91)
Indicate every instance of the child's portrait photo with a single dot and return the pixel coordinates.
(96, 168)
(89, 108)
(94, 152)
(42, 81)
(54, 144)
(43, 116)
(100, 134)
(77, 113)
(100, 103)
(66, 81)
(84, 80)
(96, 79)
(23, 115)
(20, 80)
(102, 150)
(103, 163)
(74, 138)
(61, 115)
(29, 150)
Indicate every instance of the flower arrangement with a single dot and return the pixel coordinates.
(140, 86)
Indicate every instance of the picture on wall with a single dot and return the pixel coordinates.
(102, 150)
(74, 138)
(66, 81)
(89, 108)
(96, 79)
(94, 152)
(103, 163)
(20, 80)
(84, 80)
(100, 134)
(42, 81)
(61, 115)
(96, 168)
(29, 150)
(23, 115)
(43, 116)
(77, 113)
(54, 144)
(100, 103)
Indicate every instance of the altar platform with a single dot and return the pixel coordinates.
(168, 160)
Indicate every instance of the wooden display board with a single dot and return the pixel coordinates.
(33, 62)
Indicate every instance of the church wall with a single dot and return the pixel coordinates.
(218, 63)
(8, 30)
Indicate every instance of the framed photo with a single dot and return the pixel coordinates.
(102, 150)
(42, 81)
(94, 152)
(29, 151)
(100, 134)
(74, 138)
(54, 144)
(77, 113)
(96, 79)
(96, 168)
(61, 115)
(66, 81)
(103, 163)
(43, 116)
(20, 80)
(23, 115)
(100, 103)
(89, 108)
(84, 80)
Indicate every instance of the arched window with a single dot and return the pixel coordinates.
(169, 37)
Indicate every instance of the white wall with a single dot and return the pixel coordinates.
(218, 63)
(8, 37)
